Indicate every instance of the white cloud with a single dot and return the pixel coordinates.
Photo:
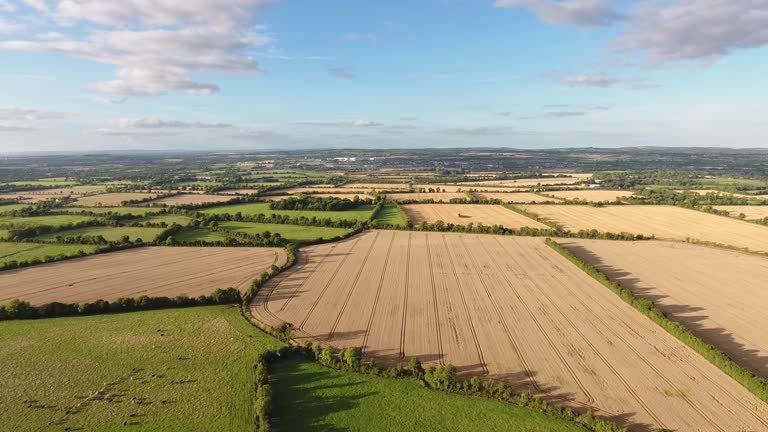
(591, 80)
(147, 123)
(20, 119)
(586, 13)
(9, 27)
(365, 123)
(156, 46)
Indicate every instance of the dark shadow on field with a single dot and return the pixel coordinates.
(686, 315)
(300, 402)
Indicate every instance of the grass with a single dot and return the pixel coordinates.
(290, 232)
(170, 219)
(309, 397)
(361, 213)
(59, 362)
(390, 215)
(137, 211)
(32, 221)
(44, 182)
(109, 233)
(198, 234)
(27, 251)
(11, 207)
(3, 234)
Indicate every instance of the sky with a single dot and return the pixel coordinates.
(106, 75)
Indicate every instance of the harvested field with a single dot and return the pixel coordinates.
(532, 182)
(664, 222)
(239, 191)
(318, 191)
(590, 195)
(182, 199)
(719, 294)
(62, 192)
(437, 196)
(151, 271)
(377, 186)
(509, 308)
(752, 212)
(112, 199)
(26, 199)
(463, 214)
(465, 187)
(717, 192)
(518, 198)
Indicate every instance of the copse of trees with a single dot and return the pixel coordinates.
(308, 202)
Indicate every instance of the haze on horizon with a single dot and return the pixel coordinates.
(274, 74)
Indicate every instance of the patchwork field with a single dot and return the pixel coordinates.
(361, 213)
(751, 212)
(290, 232)
(463, 214)
(151, 271)
(509, 308)
(517, 198)
(28, 251)
(436, 196)
(590, 195)
(185, 198)
(664, 222)
(112, 199)
(719, 294)
(109, 233)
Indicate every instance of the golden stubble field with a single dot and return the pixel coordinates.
(665, 222)
(434, 196)
(719, 294)
(590, 195)
(112, 199)
(517, 198)
(463, 214)
(511, 309)
(151, 271)
(184, 198)
(751, 212)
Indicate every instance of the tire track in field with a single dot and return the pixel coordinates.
(270, 288)
(466, 309)
(405, 297)
(301, 285)
(560, 355)
(328, 284)
(378, 293)
(352, 287)
(440, 353)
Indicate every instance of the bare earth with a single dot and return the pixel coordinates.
(511, 309)
(519, 197)
(665, 222)
(112, 199)
(752, 212)
(590, 195)
(151, 271)
(719, 294)
(436, 196)
(463, 214)
(191, 199)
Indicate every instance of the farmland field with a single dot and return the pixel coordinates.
(109, 233)
(509, 308)
(12, 207)
(151, 271)
(590, 195)
(290, 232)
(26, 199)
(751, 212)
(334, 400)
(169, 219)
(138, 211)
(192, 234)
(112, 199)
(519, 197)
(194, 374)
(239, 191)
(463, 214)
(531, 182)
(181, 199)
(361, 213)
(27, 251)
(665, 222)
(32, 221)
(719, 294)
(390, 214)
(434, 196)
(309, 190)
(377, 186)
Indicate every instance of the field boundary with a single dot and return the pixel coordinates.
(755, 384)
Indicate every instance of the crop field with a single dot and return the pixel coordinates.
(137, 211)
(192, 234)
(664, 222)
(169, 219)
(463, 214)
(290, 232)
(108, 232)
(62, 192)
(239, 191)
(12, 207)
(531, 182)
(3, 234)
(390, 214)
(717, 293)
(314, 191)
(26, 199)
(151, 271)
(112, 199)
(738, 195)
(28, 251)
(333, 400)
(590, 195)
(167, 370)
(517, 198)
(377, 186)
(32, 221)
(511, 309)
(185, 198)
(361, 213)
(464, 187)
(751, 212)
(435, 196)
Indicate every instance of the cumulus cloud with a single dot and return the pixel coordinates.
(156, 46)
(149, 123)
(7, 26)
(590, 80)
(585, 13)
(341, 73)
(19, 119)
(128, 133)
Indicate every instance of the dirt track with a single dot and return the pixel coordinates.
(665, 222)
(509, 308)
(151, 271)
(719, 294)
(463, 214)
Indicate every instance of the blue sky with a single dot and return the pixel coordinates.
(272, 74)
